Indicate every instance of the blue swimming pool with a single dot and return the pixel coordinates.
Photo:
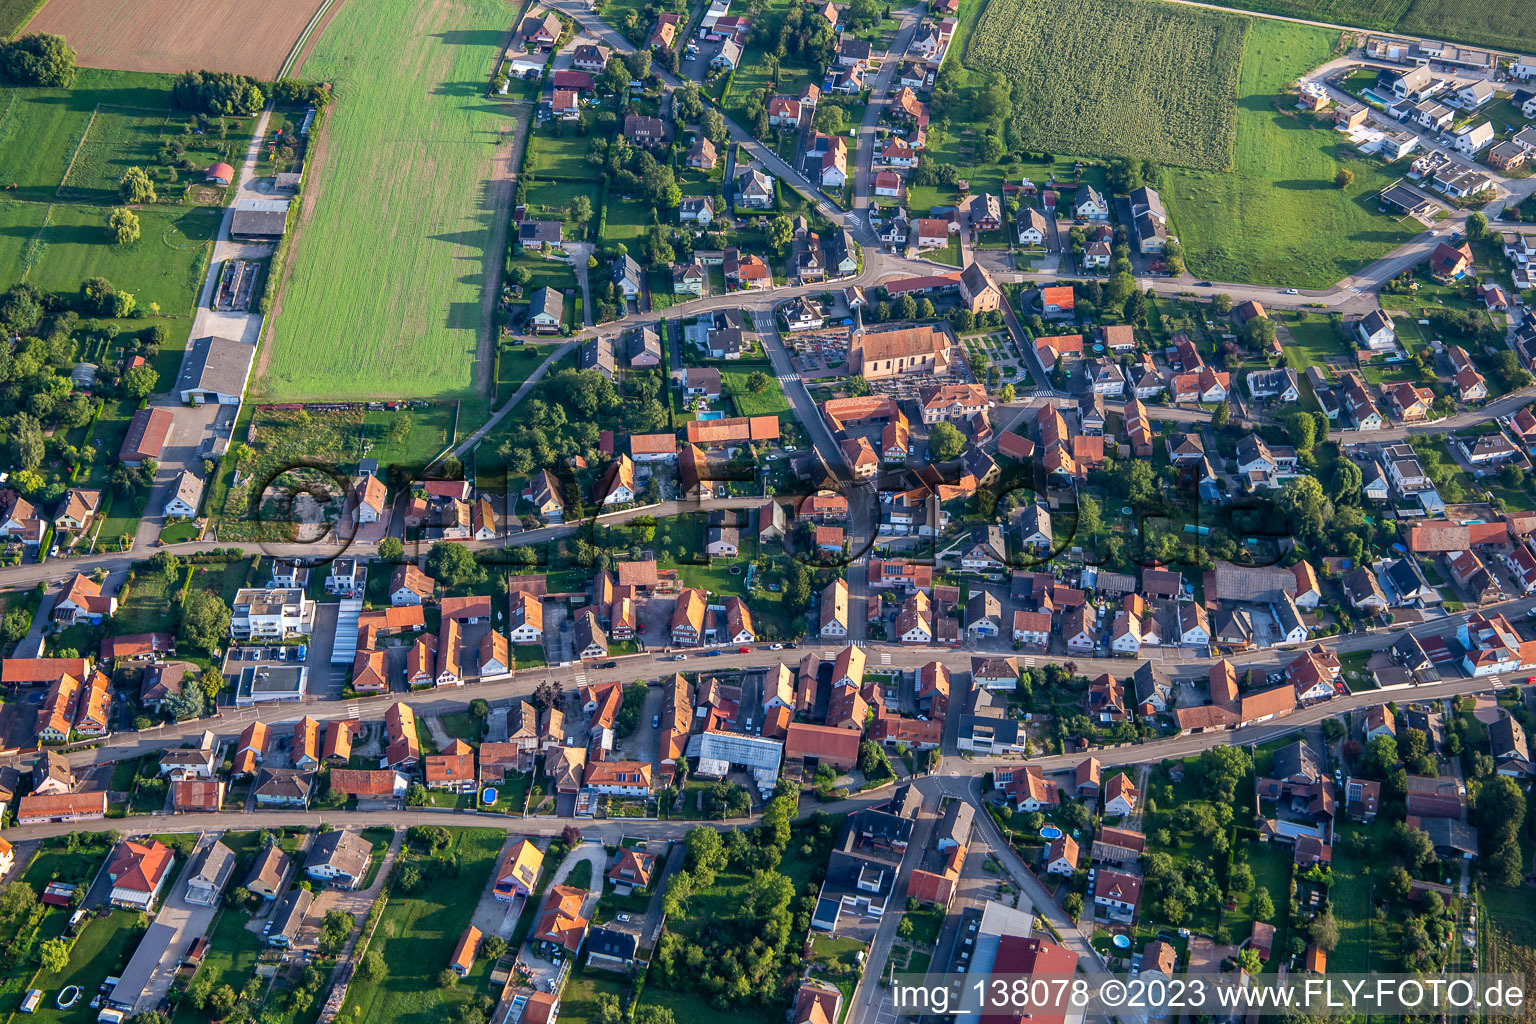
(1376, 97)
(715, 415)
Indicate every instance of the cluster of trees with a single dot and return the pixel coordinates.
(568, 410)
(749, 957)
(979, 100)
(217, 92)
(38, 59)
(1499, 810)
(37, 393)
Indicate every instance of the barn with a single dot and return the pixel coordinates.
(215, 370)
(259, 220)
(220, 174)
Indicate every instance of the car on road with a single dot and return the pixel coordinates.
(743, 650)
(775, 647)
(1292, 291)
(607, 664)
(794, 647)
(1202, 284)
(655, 721)
(711, 654)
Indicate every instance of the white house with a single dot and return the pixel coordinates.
(1474, 139)
(186, 494)
(1092, 206)
(1376, 331)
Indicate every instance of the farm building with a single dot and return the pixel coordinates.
(215, 371)
(220, 174)
(259, 220)
(146, 436)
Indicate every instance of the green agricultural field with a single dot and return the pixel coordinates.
(398, 236)
(1277, 217)
(14, 15)
(1503, 24)
(1113, 77)
(1382, 15)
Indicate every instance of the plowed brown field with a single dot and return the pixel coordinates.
(248, 37)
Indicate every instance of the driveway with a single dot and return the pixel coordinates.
(591, 851)
(188, 921)
(492, 916)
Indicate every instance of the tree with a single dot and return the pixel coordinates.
(581, 209)
(1073, 905)
(638, 64)
(780, 233)
(758, 382)
(945, 441)
(124, 225)
(140, 382)
(904, 927)
(1344, 178)
(453, 564)
(1221, 303)
(1262, 905)
(136, 187)
(1135, 308)
(391, 549)
(1324, 931)
(39, 59)
(98, 296)
(447, 978)
(54, 955)
(1221, 416)
(17, 901)
(1302, 429)
(204, 620)
(1248, 960)
(1477, 225)
(222, 1002)
(713, 125)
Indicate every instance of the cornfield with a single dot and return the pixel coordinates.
(1118, 77)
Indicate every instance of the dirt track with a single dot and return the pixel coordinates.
(174, 35)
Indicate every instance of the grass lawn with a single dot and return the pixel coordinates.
(462, 726)
(528, 656)
(1351, 896)
(565, 155)
(768, 402)
(694, 1008)
(578, 1001)
(232, 953)
(416, 937)
(627, 219)
(57, 864)
(102, 949)
(384, 298)
(1276, 216)
(426, 433)
(57, 247)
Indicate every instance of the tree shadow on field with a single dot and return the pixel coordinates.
(475, 88)
(472, 37)
(1304, 184)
